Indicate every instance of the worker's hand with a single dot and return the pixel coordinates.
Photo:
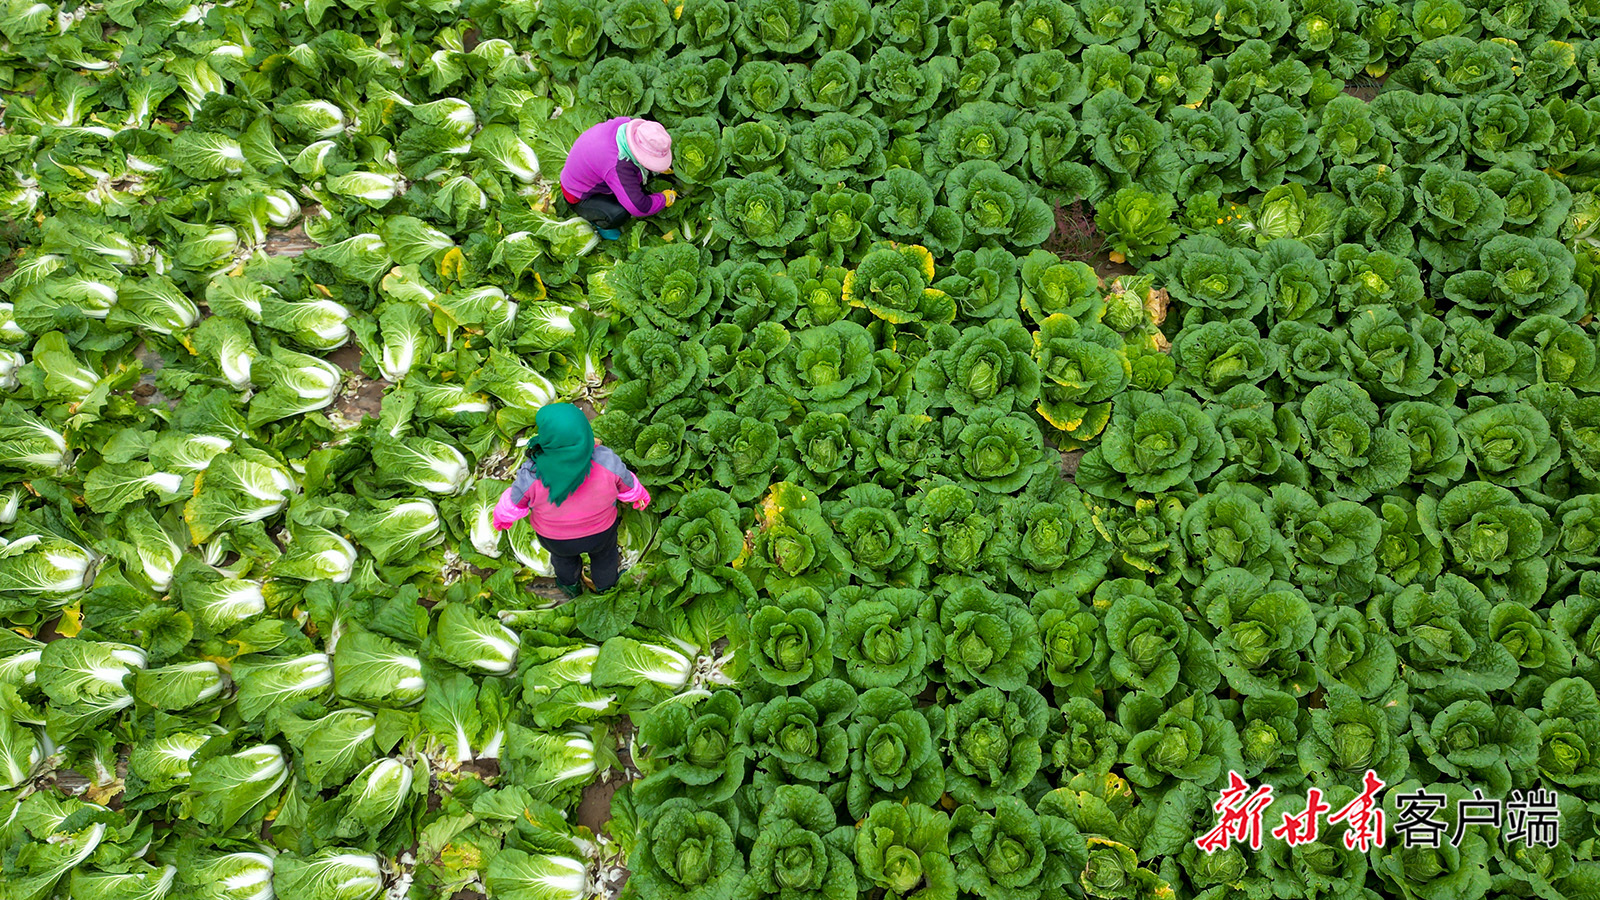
(505, 513)
(644, 501)
(670, 195)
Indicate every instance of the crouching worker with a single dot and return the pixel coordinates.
(603, 179)
(570, 485)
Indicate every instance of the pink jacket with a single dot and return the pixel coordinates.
(588, 510)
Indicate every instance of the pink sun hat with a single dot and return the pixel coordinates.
(650, 143)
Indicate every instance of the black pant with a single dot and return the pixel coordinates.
(604, 558)
(602, 211)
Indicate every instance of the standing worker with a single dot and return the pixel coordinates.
(570, 485)
(603, 178)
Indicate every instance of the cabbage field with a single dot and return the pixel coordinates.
(1116, 449)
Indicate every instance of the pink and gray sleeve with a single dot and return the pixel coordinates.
(513, 504)
(629, 488)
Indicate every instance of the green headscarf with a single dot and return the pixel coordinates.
(561, 448)
(623, 150)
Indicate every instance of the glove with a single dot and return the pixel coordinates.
(506, 513)
(636, 496)
(670, 195)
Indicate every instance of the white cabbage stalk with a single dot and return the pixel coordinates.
(466, 406)
(386, 781)
(95, 298)
(214, 687)
(315, 672)
(62, 567)
(340, 875)
(132, 657)
(544, 875)
(282, 208)
(199, 462)
(567, 874)
(338, 559)
(58, 457)
(189, 15)
(373, 187)
(413, 685)
(581, 754)
(82, 378)
(277, 484)
(160, 561)
(330, 113)
(89, 841)
(452, 113)
(485, 539)
(268, 761)
(396, 361)
(22, 200)
(199, 79)
(251, 879)
(17, 771)
(10, 362)
(575, 667)
(463, 183)
(630, 662)
(170, 755)
(330, 328)
(432, 465)
(10, 331)
(504, 647)
(213, 683)
(213, 552)
(244, 599)
(477, 642)
(217, 246)
(315, 383)
(312, 162)
(236, 361)
(20, 669)
(554, 320)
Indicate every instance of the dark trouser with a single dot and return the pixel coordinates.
(604, 558)
(602, 211)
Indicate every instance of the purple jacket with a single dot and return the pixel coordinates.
(588, 510)
(594, 167)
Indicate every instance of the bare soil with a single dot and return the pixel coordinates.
(362, 396)
(1109, 271)
(1069, 463)
(1364, 87)
(546, 589)
(145, 392)
(366, 399)
(594, 810)
(289, 241)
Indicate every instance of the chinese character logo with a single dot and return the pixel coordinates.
(1530, 817)
(1364, 816)
(1240, 811)
(1416, 818)
(1302, 828)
